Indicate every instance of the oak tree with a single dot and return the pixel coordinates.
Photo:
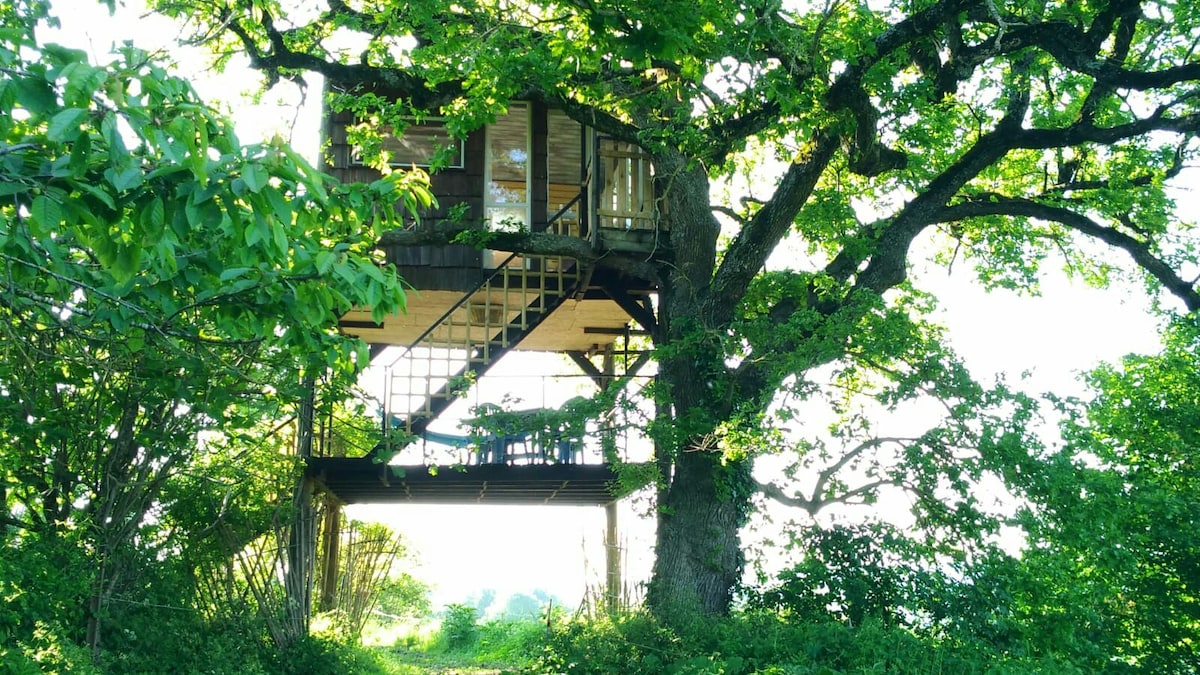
(868, 137)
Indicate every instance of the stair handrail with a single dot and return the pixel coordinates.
(483, 282)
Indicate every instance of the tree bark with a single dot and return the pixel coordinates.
(699, 559)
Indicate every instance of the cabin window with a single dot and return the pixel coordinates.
(565, 173)
(506, 198)
(423, 144)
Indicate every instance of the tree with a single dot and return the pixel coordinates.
(1000, 134)
(1117, 522)
(161, 281)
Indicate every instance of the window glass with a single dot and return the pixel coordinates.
(421, 143)
(507, 197)
(564, 171)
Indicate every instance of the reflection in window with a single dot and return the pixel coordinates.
(424, 145)
(506, 199)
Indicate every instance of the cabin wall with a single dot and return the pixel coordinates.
(447, 268)
(617, 211)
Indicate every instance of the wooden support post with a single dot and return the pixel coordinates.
(612, 545)
(612, 561)
(331, 540)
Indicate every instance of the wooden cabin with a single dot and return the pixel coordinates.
(532, 169)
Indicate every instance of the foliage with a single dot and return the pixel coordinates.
(854, 574)
(402, 595)
(460, 627)
(1110, 540)
(760, 642)
(168, 296)
(508, 643)
(317, 655)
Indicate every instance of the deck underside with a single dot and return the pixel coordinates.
(359, 480)
(579, 325)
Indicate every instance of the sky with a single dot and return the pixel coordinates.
(462, 550)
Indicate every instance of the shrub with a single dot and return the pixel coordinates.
(762, 642)
(460, 628)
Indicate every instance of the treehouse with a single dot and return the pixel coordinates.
(532, 170)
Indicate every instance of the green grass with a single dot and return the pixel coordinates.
(460, 644)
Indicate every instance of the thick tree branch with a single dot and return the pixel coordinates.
(777, 494)
(1071, 47)
(757, 239)
(815, 504)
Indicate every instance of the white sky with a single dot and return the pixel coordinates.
(517, 549)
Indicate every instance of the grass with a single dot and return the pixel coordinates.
(459, 645)
(404, 661)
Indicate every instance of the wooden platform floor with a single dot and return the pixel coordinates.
(361, 481)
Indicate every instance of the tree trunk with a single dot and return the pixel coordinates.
(95, 606)
(703, 500)
(699, 558)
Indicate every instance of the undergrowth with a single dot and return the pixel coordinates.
(761, 642)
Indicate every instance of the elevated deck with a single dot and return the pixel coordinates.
(360, 480)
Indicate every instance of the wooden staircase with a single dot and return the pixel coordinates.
(436, 369)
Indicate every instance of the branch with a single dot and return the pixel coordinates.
(850, 455)
(815, 503)
(346, 76)
(775, 492)
(19, 147)
(813, 506)
(757, 239)
(1139, 251)
(734, 215)
(529, 243)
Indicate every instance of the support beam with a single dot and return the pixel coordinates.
(612, 561)
(612, 547)
(639, 308)
(597, 376)
(331, 540)
(585, 364)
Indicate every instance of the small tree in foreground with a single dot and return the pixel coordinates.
(161, 285)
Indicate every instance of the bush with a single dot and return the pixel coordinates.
(460, 628)
(762, 642)
(317, 655)
(509, 642)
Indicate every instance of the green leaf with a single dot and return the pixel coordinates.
(118, 154)
(81, 153)
(46, 212)
(234, 273)
(255, 176)
(126, 262)
(280, 237)
(100, 194)
(35, 95)
(8, 187)
(283, 211)
(126, 178)
(66, 125)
